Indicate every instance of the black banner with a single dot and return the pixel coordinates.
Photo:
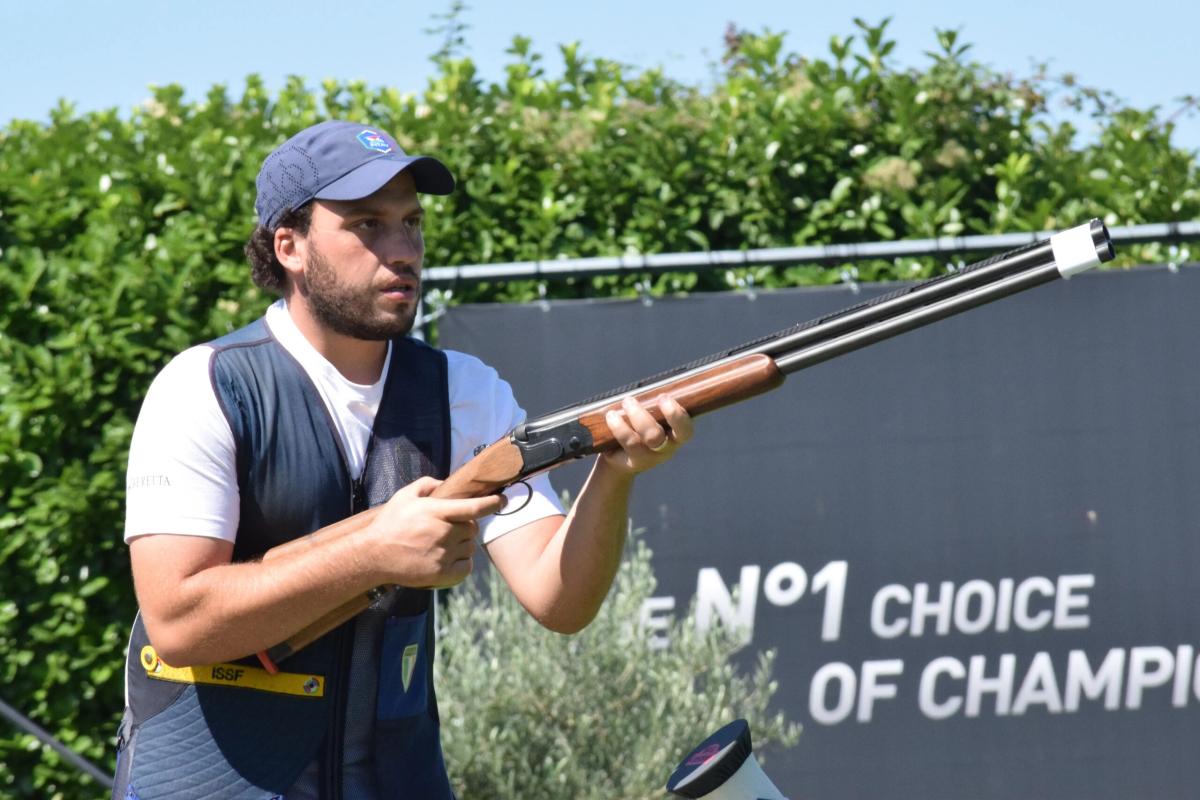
(973, 546)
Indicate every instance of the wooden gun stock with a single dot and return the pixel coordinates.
(501, 464)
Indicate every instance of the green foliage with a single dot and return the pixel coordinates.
(527, 713)
(121, 238)
(109, 265)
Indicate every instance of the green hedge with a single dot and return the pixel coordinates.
(121, 237)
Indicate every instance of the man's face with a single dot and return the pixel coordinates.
(362, 262)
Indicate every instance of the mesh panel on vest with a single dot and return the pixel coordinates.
(393, 460)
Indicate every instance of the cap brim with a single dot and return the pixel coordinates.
(430, 176)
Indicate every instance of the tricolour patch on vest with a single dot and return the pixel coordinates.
(408, 664)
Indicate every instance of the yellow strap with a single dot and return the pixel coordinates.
(295, 683)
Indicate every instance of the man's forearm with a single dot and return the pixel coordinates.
(225, 611)
(594, 535)
(565, 583)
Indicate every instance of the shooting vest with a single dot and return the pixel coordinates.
(362, 694)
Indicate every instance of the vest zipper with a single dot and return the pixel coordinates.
(331, 772)
(334, 756)
(358, 494)
(335, 752)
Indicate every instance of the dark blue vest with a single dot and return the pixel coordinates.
(206, 738)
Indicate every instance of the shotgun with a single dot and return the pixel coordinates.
(725, 378)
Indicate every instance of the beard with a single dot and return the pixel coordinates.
(349, 311)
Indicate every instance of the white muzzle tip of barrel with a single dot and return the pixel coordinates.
(1074, 250)
(723, 767)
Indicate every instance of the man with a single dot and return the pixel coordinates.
(320, 409)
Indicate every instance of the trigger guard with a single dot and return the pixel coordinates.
(528, 497)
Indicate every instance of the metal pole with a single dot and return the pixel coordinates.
(784, 256)
(31, 727)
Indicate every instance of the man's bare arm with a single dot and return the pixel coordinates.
(200, 608)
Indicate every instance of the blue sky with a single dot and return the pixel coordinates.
(100, 54)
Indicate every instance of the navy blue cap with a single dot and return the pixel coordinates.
(338, 160)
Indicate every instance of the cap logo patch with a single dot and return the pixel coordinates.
(373, 140)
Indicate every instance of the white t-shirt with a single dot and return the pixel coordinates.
(182, 475)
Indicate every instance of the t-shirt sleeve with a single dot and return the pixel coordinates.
(482, 409)
(182, 474)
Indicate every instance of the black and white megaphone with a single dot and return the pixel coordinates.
(723, 767)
